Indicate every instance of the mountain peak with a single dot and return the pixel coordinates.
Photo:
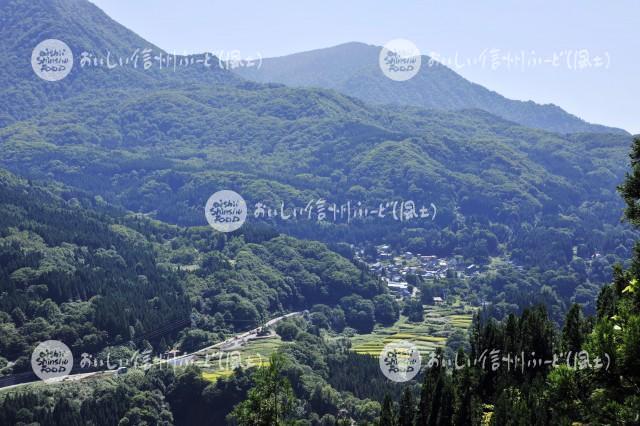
(81, 24)
(352, 68)
(85, 29)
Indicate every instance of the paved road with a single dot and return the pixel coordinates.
(65, 379)
(237, 341)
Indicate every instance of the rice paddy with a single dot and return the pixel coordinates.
(220, 364)
(439, 323)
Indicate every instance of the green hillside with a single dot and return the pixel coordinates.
(75, 269)
(104, 244)
(160, 142)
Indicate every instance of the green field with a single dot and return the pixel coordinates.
(439, 323)
(217, 364)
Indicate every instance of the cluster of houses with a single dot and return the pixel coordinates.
(393, 269)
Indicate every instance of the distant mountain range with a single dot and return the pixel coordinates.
(352, 69)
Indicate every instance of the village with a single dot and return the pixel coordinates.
(393, 269)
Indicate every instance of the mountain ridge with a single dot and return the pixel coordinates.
(160, 144)
(84, 27)
(352, 69)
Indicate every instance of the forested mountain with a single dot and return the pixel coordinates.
(75, 269)
(587, 373)
(352, 69)
(84, 28)
(500, 189)
(103, 245)
(161, 141)
(107, 282)
(76, 275)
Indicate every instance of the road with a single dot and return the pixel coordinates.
(231, 343)
(238, 339)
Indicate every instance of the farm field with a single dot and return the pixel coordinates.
(439, 323)
(217, 364)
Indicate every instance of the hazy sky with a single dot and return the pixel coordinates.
(549, 33)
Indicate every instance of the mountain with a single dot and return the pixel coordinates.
(84, 28)
(79, 270)
(104, 245)
(160, 142)
(165, 152)
(352, 69)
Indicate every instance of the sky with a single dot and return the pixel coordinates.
(480, 40)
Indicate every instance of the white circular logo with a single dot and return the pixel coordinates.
(400, 60)
(52, 60)
(226, 211)
(50, 359)
(400, 361)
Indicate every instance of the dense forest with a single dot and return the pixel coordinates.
(584, 371)
(161, 143)
(75, 269)
(500, 190)
(104, 245)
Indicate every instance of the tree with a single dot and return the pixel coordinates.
(413, 309)
(465, 389)
(573, 332)
(630, 189)
(288, 330)
(407, 409)
(387, 417)
(386, 309)
(359, 313)
(563, 389)
(194, 340)
(436, 397)
(270, 401)
(185, 396)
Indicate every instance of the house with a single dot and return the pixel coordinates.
(438, 300)
(399, 288)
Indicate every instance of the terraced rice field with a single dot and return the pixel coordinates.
(438, 324)
(213, 376)
(255, 353)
